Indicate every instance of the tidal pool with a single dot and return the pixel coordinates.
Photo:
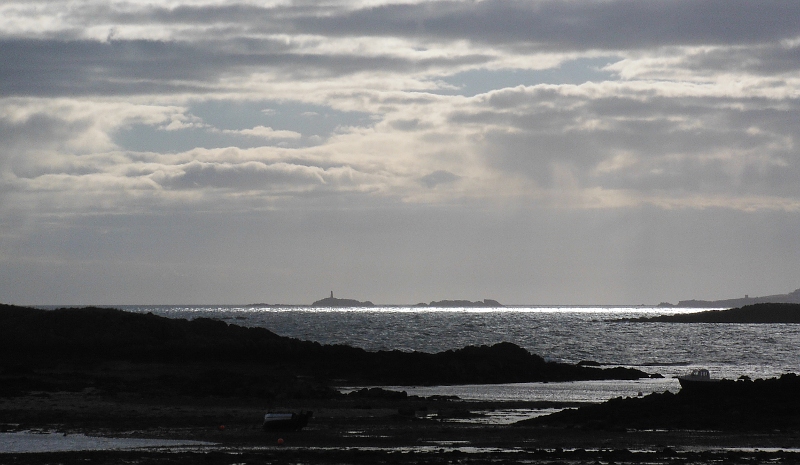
(33, 441)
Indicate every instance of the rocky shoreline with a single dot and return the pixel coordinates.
(106, 373)
(370, 429)
(762, 405)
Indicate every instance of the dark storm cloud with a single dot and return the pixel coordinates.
(219, 17)
(574, 25)
(763, 60)
(619, 24)
(217, 41)
(54, 67)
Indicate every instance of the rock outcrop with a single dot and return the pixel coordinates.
(210, 356)
(742, 405)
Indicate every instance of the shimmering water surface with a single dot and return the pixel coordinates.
(565, 334)
(563, 392)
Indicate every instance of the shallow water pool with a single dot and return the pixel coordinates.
(32, 441)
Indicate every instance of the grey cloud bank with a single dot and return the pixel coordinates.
(533, 152)
(571, 25)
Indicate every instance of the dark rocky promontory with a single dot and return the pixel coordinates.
(758, 313)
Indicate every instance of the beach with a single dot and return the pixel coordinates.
(228, 431)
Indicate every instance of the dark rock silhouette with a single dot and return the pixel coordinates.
(742, 405)
(758, 313)
(286, 422)
(210, 357)
(378, 393)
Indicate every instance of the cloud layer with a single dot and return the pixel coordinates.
(141, 110)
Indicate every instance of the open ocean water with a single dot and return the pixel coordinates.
(563, 334)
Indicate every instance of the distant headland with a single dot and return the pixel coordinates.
(756, 313)
(790, 298)
(335, 302)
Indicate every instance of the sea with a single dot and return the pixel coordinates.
(568, 334)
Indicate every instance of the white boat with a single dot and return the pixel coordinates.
(699, 378)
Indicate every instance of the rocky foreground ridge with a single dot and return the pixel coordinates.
(113, 350)
(742, 405)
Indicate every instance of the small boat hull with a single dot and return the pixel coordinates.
(699, 381)
(286, 421)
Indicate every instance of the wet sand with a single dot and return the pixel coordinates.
(365, 431)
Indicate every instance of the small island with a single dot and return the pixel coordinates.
(485, 303)
(334, 302)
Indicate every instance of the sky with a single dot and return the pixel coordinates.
(533, 152)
